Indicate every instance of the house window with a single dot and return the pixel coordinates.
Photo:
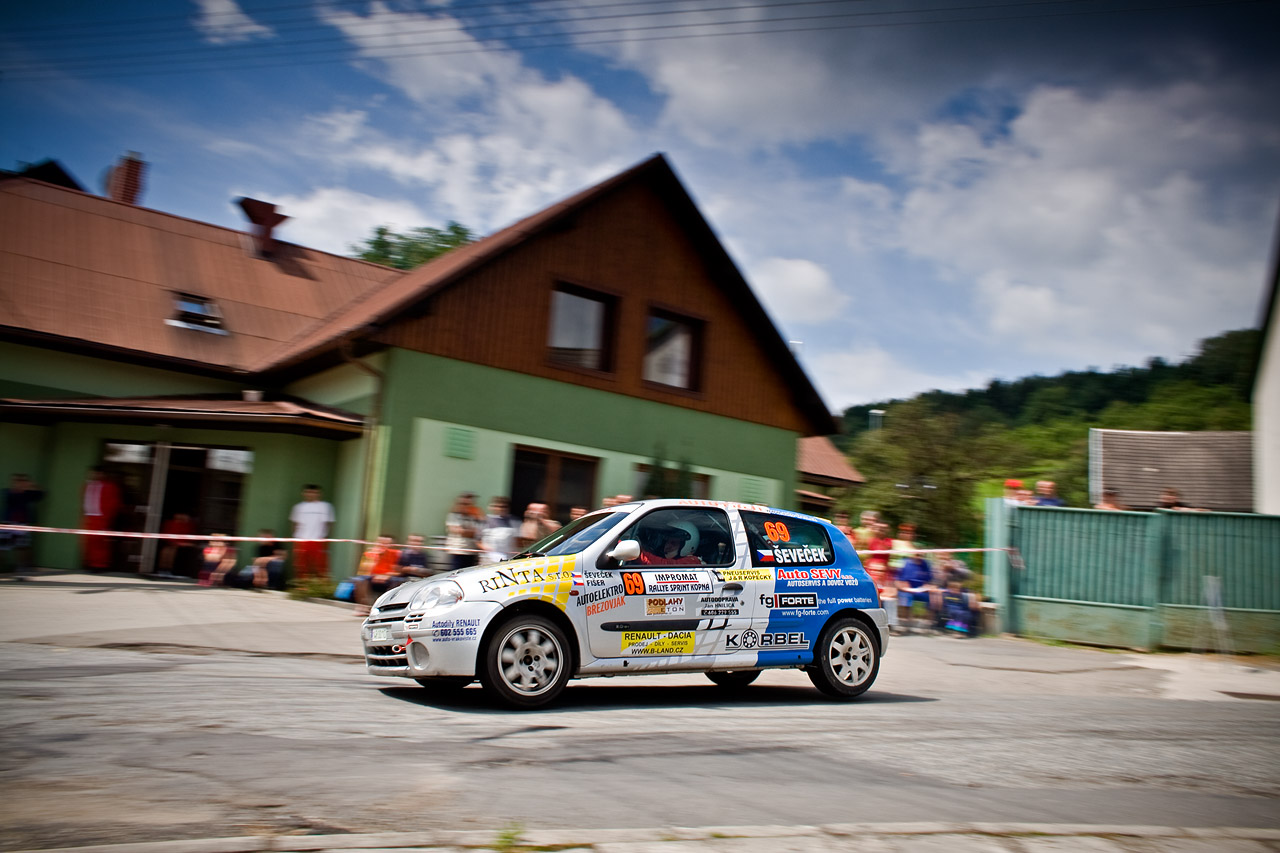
(559, 480)
(581, 328)
(196, 312)
(672, 350)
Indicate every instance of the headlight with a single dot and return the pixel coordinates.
(436, 596)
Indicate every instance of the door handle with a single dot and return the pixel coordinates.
(733, 587)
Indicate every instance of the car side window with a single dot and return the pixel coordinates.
(781, 540)
(678, 536)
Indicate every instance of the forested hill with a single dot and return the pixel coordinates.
(938, 452)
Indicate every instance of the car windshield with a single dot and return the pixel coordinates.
(576, 535)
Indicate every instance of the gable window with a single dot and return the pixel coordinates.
(673, 350)
(196, 312)
(581, 332)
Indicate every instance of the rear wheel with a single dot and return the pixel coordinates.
(733, 679)
(846, 660)
(526, 661)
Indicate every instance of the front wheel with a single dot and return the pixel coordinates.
(846, 660)
(526, 661)
(733, 679)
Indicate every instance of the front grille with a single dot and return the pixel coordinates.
(412, 621)
(384, 656)
(387, 608)
(382, 620)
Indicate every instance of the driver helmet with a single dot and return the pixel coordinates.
(691, 535)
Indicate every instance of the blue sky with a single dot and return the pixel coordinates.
(924, 194)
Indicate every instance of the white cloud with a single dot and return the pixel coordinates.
(797, 292)
(223, 22)
(869, 373)
(333, 219)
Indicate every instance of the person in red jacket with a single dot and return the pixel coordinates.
(100, 504)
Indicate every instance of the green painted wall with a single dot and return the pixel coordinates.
(281, 465)
(346, 386)
(37, 372)
(506, 407)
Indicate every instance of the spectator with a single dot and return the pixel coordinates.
(878, 567)
(577, 512)
(172, 549)
(1110, 500)
(866, 530)
(1170, 498)
(959, 609)
(462, 530)
(19, 507)
(905, 542)
(219, 559)
(414, 562)
(267, 569)
(1011, 489)
(841, 520)
(536, 525)
(312, 519)
(379, 565)
(498, 537)
(915, 583)
(1047, 494)
(1026, 497)
(100, 503)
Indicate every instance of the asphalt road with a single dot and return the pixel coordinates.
(139, 712)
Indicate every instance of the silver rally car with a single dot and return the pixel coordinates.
(655, 586)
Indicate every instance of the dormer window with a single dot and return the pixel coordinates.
(196, 312)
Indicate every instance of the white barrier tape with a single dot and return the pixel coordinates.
(937, 550)
(205, 537)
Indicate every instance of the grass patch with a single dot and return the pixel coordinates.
(311, 588)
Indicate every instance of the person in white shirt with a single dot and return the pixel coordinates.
(312, 519)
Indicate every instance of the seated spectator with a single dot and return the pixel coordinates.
(172, 551)
(959, 609)
(914, 583)
(378, 565)
(414, 561)
(1047, 494)
(219, 558)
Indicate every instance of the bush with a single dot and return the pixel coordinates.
(311, 588)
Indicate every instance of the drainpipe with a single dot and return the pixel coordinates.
(370, 434)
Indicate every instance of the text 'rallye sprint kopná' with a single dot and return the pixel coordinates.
(654, 586)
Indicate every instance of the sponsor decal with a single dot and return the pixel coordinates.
(808, 574)
(454, 630)
(749, 640)
(657, 642)
(598, 579)
(664, 607)
(798, 556)
(791, 601)
(731, 575)
(597, 595)
(608, 604)
(666, 582)
(504, 578)
(719, 605)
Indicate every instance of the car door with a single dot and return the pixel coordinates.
(676, 601)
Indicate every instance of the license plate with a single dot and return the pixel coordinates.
(379, 634)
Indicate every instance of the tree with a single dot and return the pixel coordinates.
(406, 251)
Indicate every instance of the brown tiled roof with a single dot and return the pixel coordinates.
(102, 274)
(819, 461)
(1210, 470)
(288, 414)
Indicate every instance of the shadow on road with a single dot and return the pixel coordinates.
(596, 697)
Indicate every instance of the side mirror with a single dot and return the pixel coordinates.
(624, 552)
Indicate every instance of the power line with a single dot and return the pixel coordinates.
(626, 35)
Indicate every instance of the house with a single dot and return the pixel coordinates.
(1210, 470)
(825, 475)
(215, 371)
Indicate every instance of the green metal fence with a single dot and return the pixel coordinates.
(1138, 579)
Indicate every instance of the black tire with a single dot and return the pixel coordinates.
(846, 659)
(733, 679)
(445, 683)
(526, 662)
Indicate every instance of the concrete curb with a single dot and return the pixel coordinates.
(589, 838)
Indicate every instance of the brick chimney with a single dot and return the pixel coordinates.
(124, 180)
(264, 218)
